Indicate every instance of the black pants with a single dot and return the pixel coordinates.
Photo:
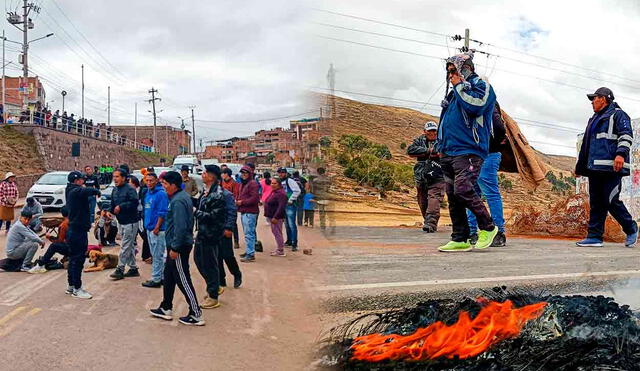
(300, 214)
(308, 217)
(236, 237)
(146, 251)
(604, 197)
(226, 256)
(176, 272)
(109, 238)
(461, 175)
(206, 257)
(8, 224)
(78, 243)
(60, 248)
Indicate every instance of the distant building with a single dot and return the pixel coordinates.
(14, 96)
(171, 141)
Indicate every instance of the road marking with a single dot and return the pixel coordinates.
(19, 320)
(476, 280)
(14, 294)
(11, 314)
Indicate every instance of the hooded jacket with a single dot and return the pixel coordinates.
(156, 203)
(249, 194)
(608, 134)
(466, 119)
(78, 204)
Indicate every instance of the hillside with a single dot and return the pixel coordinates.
(396, 127)
(19, 153)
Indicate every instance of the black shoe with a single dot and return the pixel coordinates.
(294, 246)
(258, 246)
(151, 283)
(248, 259)
(191, 320)
(118, 274)
(165, 314)
(288, 243)
(132, 272)
(499, 240)
(237, 281)
(243, 254)
(473, 239)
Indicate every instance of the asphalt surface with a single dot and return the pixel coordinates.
(374, 268)
(269, 323)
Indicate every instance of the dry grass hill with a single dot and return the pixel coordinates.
(396, 127)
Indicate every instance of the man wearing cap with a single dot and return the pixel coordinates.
(77, 198)
(248, 206)
(463, 140)
(216, 215)
(428, 176)
(22, 242)
(190, 185)
(292, 189)
(90, 180)
(604, 159)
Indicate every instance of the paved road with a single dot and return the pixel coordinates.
(268, 323)
(373, 268)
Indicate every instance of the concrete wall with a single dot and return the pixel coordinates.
(55, 148)
(24, 182)
(178, 140)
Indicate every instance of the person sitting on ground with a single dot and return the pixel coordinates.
(58, 245)
(106, 229)
(35, 208)
(22, 242)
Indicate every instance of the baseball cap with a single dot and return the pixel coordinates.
(74, 175)
(430, 125)
(282, 170)
(602, 92)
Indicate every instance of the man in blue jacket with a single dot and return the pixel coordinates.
(604, 159)
(463, 140)
(156, 203)
(179, 239)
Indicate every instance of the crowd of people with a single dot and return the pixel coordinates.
(173, 218)
(461, 156)
(57, 120)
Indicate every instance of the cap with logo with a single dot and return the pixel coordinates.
(74, 175)
(430, 125)
(602, 92)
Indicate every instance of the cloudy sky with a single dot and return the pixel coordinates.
(252, 60)
(233, 60)
(582, 42)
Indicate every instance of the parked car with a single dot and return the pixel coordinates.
(49, 189)
(104, 202)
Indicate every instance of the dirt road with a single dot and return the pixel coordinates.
(269, 323)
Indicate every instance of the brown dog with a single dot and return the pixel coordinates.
(101, 261)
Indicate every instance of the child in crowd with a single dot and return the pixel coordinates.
(309, 206)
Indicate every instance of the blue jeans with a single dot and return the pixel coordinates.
(249, 229)
(158, 247)
(488, 187)
(92, 208)
(290, 223)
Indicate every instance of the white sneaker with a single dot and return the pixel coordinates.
(37, 269)
(81, 294)
(70, 290)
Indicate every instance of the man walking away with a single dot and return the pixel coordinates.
(91, 181)
(428, 176)
(247, 202)
(488, 185)
(156, 203)
(232, 186)
(22, 242)
(179, 240)
(124, 205)
(78, 204)
(463, 140)
(211, 218)
(604, 159)
(292, 190)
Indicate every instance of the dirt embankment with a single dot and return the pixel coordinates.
(397, 127)
(19, 153)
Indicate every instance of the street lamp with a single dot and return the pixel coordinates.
(64, 93)
(39, 38)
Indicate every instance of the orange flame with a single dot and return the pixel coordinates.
(464, 339)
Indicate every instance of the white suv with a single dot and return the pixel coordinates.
(49, 189)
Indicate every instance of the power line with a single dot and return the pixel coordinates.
(259, 120)
(380, 47)
(380, 34)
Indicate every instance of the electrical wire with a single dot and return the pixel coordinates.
(259, 120)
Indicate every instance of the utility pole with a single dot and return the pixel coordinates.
(108, 105)
(135, 125)
(193, 127)
(153, 104)
(4, 107)
(466, 39)
(82, 66)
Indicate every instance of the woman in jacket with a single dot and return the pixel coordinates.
(265, 184)
(274, 209)
(8, 198)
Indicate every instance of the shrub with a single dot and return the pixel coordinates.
(403, 145)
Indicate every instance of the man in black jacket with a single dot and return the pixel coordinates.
(179, 238)
(488, 185)
(124, 205)
(213, 225)
(428, 176)
(77, 198)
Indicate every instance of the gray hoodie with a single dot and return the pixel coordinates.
(18, 235)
